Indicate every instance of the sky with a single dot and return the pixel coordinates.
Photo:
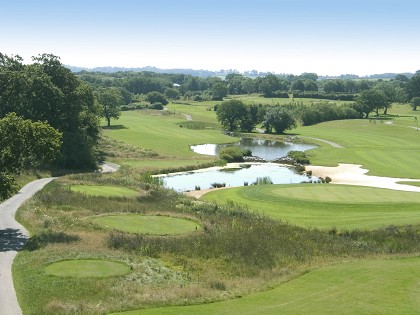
(281, 36)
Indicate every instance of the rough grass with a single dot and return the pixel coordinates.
(104, 191)
(326, 206)
(147, 224)
(81, 268)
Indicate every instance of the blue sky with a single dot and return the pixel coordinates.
(283, 36)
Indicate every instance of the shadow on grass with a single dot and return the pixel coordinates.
(49, 237)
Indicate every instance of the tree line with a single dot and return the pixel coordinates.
(234, 115)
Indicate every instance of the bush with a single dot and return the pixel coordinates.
(263, 181)
(156, 97)
(157, 106)
(233, 154)
(299, 157)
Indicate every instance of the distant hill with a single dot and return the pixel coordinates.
(208, 73)
(198, 73)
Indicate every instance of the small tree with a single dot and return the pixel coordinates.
(172, 93)
(218, 91)
(110, 100)
(279, 119)
(415, 101)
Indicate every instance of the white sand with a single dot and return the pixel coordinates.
(352, 174)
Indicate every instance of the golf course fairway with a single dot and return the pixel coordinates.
(373, 286)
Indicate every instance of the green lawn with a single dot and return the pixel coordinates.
(373, 286)
(147, 224)
(385, 150)
(104, 191)
(81, 268)
(198, 112)
(326, 206)
(162, 134)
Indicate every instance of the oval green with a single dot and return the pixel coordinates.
(92, 268)
(147, 224)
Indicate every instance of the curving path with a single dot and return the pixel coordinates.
(12, 238)
(333, 144)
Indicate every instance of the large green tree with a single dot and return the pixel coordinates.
(24, 144)
(110, 100)
(230, 114)
(392, 93)
(368, 101)
(278, 119)
(47, 91)
(413, 86)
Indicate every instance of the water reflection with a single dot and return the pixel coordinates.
(269, 150)
(233, 177)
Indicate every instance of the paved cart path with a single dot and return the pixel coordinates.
(12, 238)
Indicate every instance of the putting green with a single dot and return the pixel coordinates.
(104, 191)
(147, 224)
(93, 268)
(326, 206)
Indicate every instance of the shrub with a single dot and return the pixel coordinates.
(299, 157)
(218, 185)
(157, 106)
(233, 154)
(263, 181)
(156, 97)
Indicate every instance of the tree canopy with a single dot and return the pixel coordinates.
(278, 119)
(24, 144)
(47, 91)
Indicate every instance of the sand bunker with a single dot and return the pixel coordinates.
(352, 174)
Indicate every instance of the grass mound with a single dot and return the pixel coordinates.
(147, 224)
(104, 191)
(92, 268)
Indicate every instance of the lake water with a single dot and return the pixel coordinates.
(269, 150)
(233, 177)
(248, 173)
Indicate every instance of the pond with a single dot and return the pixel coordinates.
(243, 173)
(268, 150)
